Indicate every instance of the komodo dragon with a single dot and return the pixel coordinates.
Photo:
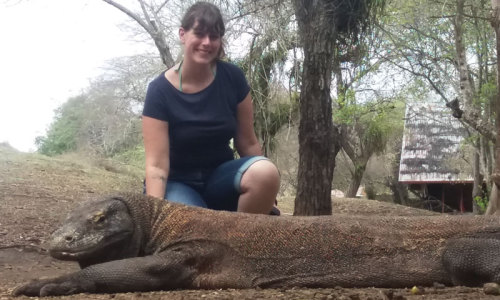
(138, 243)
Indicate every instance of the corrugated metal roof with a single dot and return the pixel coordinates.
(431, 150)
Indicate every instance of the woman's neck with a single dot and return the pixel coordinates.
(192, 71)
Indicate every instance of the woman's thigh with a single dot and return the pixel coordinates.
(223, 188)
(182, 193)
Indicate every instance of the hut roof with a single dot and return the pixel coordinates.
(432, 149)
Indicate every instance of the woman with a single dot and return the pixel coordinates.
(191, 113)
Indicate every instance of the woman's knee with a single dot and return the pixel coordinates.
(261, 174)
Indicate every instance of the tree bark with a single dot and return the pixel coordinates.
(356, 178)
(495, 196)
(466, 86)
(477, 189)
(469, 113)
(317, 145)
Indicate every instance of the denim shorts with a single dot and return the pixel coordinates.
(217, 189)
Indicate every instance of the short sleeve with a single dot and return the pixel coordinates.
(155, 103)
(240, 83)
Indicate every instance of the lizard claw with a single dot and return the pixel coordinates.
(58, 289)
(53, 287)
(31, 288)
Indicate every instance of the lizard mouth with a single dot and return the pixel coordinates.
(90, 250)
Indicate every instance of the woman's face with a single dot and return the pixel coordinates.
(200, 46)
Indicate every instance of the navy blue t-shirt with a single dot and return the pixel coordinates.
(200, 124)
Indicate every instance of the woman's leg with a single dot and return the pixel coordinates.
(248, 184)
(259, 187)
(182, 193)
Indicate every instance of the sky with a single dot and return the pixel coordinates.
(49, 50)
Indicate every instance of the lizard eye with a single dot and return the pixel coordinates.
(98, 218)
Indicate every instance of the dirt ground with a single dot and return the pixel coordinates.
(36, 192)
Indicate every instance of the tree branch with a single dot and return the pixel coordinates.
(131, 14)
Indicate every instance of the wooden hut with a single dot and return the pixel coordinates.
(435, 162)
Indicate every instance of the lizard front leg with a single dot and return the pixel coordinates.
(154, 272)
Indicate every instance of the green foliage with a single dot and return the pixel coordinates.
(274, 107)
(348, 109)
(487, 94)
(134, 156)
(371, 191)
(377, 132)
(97, 122)
(62, 134)
(482, 203)
(374, 123)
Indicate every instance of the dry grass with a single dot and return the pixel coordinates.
(37, 187)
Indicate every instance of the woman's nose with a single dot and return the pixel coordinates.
(205, 39)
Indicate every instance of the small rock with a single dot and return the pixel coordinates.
(417, 290)
(491, 288)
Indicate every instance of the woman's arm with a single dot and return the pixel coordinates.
(156, 145)
(246, 141)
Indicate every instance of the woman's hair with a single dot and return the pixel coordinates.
(209, 20)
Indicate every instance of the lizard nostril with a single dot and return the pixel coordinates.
(68, 238)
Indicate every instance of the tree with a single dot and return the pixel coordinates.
(130, 76)
(362, 112)
(366, 131)
(62, 134)
(448, 48)
(149, 20)
(323, 26)
(110, 126)
(104, 119)
(318, 143)
(494, 204)
(433, 43)
(272, 39)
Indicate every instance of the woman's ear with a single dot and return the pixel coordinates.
(182, 32)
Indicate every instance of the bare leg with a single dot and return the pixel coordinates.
(259, 186)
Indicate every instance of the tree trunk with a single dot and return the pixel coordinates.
(399, 190)
(357, 175)
(477, 189)
(317, 146)
(494, 198)
(466, 86)
(469, 113)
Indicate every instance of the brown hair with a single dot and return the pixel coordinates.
(209, 20)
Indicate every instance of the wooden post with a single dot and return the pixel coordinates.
(442, 198)
(462, 207)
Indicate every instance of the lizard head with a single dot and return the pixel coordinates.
(95, 232)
